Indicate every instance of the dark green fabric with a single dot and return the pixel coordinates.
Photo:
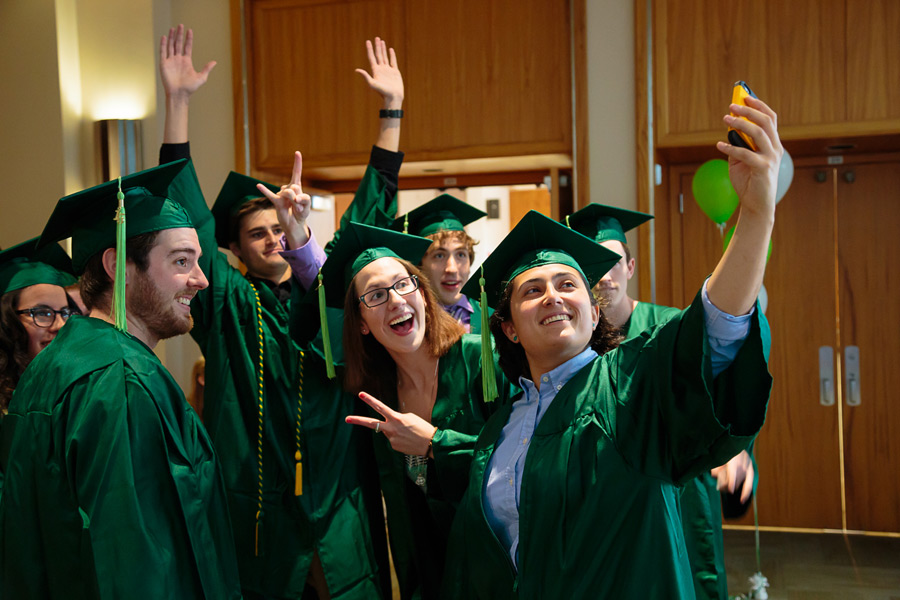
(443, 213)
(419, 524)
(331, 517)
(155, 199)
(237, 190)
(475, 322)
(23, 265)
(701, 509)
(604, 223)
(538, 240)
(599, 500)
(112, 487)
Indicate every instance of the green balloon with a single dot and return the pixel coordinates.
(713, 191)
(728, 240)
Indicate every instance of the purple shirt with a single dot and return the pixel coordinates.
(462, 311)
(304, 261)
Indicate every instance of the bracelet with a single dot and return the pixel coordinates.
(390, 114)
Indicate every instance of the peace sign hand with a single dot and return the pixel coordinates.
(407, 433)
(291, 206)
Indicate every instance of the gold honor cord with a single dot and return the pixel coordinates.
(298, 477)
(259, 447)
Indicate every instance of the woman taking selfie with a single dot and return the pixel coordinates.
(574, 485)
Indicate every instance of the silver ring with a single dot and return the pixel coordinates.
(378, 427)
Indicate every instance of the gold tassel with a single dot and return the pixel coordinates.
(298, 481)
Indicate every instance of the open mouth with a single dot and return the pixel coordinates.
(184, 301)
(402, 324)
(450, 284)
(556, 318)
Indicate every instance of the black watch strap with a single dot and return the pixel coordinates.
(390, 114)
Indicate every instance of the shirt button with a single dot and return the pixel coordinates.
(559, 387)
(524, 441)
(510, 482)
(545, 379)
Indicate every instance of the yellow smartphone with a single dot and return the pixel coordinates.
(738, 138)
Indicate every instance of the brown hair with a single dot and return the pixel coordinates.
(246, 209)
(460, 236)
(13, 347)
(513, 360)
(627, 252)
(369, 365)
(96, 285)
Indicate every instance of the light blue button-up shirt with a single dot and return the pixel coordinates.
(503, 484)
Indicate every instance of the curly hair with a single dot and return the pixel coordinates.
(13, 347)
(460, 236)
(369, 365)
(513, 360)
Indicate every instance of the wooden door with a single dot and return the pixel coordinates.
(522, 201)
(868, 216)
(797, 450)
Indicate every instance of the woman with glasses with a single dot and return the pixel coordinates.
(409, 360)
(33, 307)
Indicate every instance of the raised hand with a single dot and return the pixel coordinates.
(754, 175)
(291, 205)
(408, 433)
(176, 68)
(385, 77)
(737, 471)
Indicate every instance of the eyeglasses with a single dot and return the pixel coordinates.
(379, 296)
(44, 316)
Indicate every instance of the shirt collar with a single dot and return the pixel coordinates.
(463, 303)
(561, 375)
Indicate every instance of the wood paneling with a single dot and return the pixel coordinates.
(487, 78)
(868, 217)
(304, 91)
(790, 53)
(521, 201)
(873, 60)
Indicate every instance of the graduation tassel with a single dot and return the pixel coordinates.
(326, 338)
(298, 475)
(118, 299)
(488, 379)
(406, 223)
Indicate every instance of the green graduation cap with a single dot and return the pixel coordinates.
(539, 240)
(104, 216)
(24, 265)
(444, 213)
(237, 190)
(602, 223)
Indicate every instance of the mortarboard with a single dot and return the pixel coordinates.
(444, 213)
(602, 223)
(237, 190)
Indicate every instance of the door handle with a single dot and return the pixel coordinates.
(826, 376)
(851, 363)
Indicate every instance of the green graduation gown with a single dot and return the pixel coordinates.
(701, 506)
(113, 489)
(419, 523)
(236, 322)
(598, 513)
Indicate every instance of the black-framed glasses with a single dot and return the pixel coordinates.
(378, 296)
(44, 316)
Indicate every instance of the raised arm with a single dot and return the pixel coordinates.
(180, 81)
(734, 285)
(385, 78)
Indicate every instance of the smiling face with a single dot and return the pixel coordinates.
(259, 244)
(158, 299)
(399, 323)
(41, 295)
(613, 287)
(447, 264)
(551, 315)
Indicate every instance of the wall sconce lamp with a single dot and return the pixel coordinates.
(118, 144)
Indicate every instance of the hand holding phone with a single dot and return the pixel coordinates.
(738, 138)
